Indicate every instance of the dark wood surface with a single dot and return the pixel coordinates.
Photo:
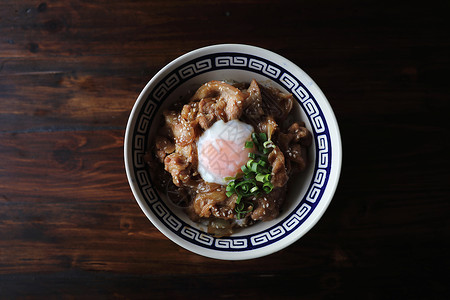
(70, 72)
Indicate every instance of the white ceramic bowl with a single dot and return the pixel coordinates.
(309, 194)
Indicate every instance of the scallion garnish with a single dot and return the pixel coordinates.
(254, 189)
(262, 163)
(240, 209)
(260, 177)
(257, 175)
(239, 199)
(254, 167)
(255, 138)
(263, 137)
(267, 187)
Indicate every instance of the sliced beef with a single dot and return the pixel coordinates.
(276, 103)
(293, 143)
(253, 103)
(268, 205)
(183, 131)
(220, 101)
(180, 169)
(205, 204)
(268, 126)
(279, 174)
(163, 147)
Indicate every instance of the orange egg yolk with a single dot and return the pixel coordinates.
(223, 158)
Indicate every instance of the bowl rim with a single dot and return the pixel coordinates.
(335, 138)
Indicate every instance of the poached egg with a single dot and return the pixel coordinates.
(221, 150)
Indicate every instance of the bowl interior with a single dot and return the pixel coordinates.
(297, 185)
(309, 192)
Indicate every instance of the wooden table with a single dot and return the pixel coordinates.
(70, 72)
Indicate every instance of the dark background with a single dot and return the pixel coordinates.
(70, 72)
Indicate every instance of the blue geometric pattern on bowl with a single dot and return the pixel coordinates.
(272, 71)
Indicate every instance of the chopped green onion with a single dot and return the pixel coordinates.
(242, 184)
(238, 200)
(256, 177)
(268, 144)
(255, 138)
(265, 171)
(240, 205)
(249, 163)
(263, 137)
(254, 189)
(260, 177)
(240, 209)
(267, 187)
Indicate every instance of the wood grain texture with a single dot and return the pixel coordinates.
(70, 72)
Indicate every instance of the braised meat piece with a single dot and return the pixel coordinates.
(163, 147)
(211, 200)
(253, 103)
(178, 167)
(279, 174)
(219, 100)
(190, 111)
(268, 206)
(269, 126)
(276, 103)
(293, 144)
(183, 131)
